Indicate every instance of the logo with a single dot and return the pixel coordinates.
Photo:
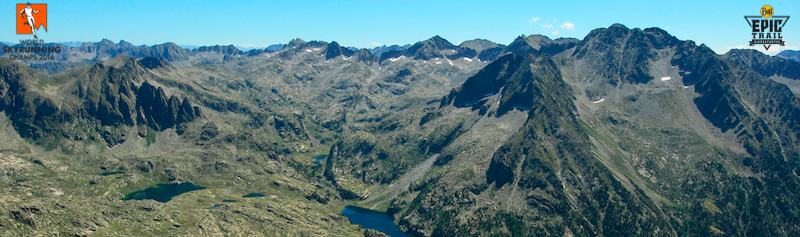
(31, 18)
(767, 28)
(766, 11)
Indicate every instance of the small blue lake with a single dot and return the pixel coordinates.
(163, 192)
(371, 219)
(254, 195)
(318, 159)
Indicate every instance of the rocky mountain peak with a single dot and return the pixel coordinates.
(623, 54)
(365, 55)
(528, 44)
(537, 41)
(222, 49)
(518, 77)
(106, 42)
(125, 44)
(334, 50)
(295, 42)
(153, 63)
(169, 51)
(437, 47)
(439, 42)
(479, 45)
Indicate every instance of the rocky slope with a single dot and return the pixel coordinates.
(104, 98)
(629, 132)
(79, 141)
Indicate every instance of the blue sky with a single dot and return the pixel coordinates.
(364, 24)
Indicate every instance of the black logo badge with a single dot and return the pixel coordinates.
(767, 28)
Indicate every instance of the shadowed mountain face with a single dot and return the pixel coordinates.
(107, 97)
(764, 64)
(627, 132)
(333, 50)
(377, 51)
(517, 76)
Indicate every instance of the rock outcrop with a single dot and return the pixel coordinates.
(106, 100)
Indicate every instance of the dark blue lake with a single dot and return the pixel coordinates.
(370, 219)
(163, 192)
(319, 159)
(254, 195)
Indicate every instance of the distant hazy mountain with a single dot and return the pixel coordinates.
(224, 50)
(790, 54)
(245, 49)
(275, 47)
(72, 43)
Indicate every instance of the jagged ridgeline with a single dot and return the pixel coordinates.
(790, 54)
(627, 132)
(96, 103)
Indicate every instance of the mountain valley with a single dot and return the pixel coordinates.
(626, 132)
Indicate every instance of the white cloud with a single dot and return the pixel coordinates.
(773, 50)
(534, 20)
(556, 32)
(548, 25)
(554, 20)
(567, 26)
(376, 44)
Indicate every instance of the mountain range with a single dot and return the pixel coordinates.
(89, 53)
(790, 54)
(626, 132)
